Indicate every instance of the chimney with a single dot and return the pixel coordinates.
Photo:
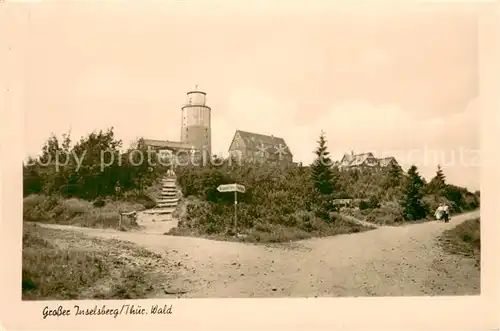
(352, 153)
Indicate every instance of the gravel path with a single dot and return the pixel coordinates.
(388, 261)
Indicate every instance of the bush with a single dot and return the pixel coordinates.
(279, 203)
(99, 203)
(88, 181)
(74, 211)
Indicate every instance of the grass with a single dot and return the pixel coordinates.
(63, 265)
(53, 209)
(464, 239)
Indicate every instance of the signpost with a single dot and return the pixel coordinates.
(233, 188)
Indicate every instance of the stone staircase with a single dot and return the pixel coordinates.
(168, 197)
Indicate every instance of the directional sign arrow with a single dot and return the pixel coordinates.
(231, 188)
(227, 188)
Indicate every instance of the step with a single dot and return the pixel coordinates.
(167, 200)
(167, 205)
(158, 211)
(168, 193)
(168, 190)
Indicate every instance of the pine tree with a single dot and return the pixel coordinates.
(321, 170)
(394, 175)
(325, 181)
(440, 175)
(438, 182)
(413, 208)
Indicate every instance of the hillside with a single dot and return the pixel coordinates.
(91, 186)
(281, 203)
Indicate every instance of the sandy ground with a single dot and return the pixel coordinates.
(387, 261)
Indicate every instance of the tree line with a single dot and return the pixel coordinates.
(79, 170)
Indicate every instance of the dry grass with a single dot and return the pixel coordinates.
(464, 239)
(39, 208)
(62, 265)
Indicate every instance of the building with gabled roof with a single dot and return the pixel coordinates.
(259, 147)
(387, 161)
(364, 161)
(359, 160)
(166, 144)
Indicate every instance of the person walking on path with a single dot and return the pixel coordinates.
(170, 172)
(446, 212)
(443, 212)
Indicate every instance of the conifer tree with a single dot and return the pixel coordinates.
(325, 181)
(394, 175)
(438, 182)
(321, 170)
(413, 208)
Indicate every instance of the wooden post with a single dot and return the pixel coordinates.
(120, 222)
(235, 213)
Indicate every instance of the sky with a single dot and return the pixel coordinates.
(393, 80)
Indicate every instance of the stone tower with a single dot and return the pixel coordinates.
(196, 118)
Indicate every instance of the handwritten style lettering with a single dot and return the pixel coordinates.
(59, 311)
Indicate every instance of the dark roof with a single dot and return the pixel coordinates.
(166, 144)
(256, 141)
(384, 162)
(356, 159)
(352, 160)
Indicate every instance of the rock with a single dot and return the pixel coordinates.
(274, 289)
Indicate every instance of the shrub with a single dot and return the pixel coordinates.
(88, 181)
(76, 211)
(277, 198)
(99, 203)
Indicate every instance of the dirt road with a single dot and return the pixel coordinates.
(388, 261)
